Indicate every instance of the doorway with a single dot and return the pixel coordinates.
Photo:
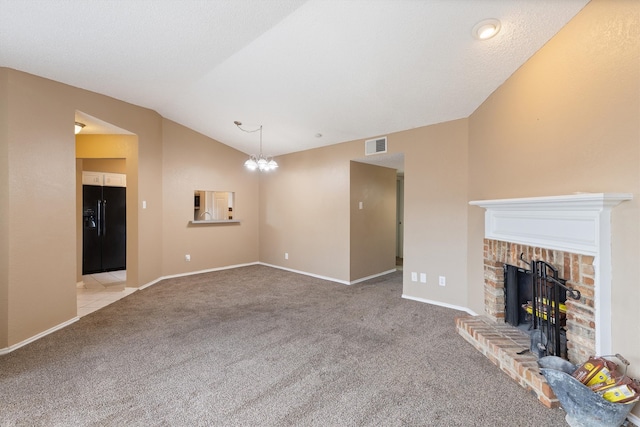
(393, 161)
(113, 152)
(400, 221)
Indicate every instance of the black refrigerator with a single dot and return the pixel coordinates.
(104, 234)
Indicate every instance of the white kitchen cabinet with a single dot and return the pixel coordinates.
(104, 179)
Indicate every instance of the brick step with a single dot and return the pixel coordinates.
(500, 343)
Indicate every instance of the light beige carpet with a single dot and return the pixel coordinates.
(257, 346)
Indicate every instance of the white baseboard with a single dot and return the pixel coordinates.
(228, 267)
(331, 279)
(318, 276)
(191, 273)
(384, 273)
(11, 348)
(634, 419)
(441, 304)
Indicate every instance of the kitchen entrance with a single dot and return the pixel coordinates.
(107, 212)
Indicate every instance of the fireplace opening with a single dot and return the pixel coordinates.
(518, 292)
(535, 303)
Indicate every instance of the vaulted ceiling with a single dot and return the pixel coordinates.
(313, 72)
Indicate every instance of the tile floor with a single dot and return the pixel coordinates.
(101, 289)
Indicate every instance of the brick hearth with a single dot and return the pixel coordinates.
(500, 343)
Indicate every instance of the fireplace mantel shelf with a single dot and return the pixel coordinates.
(578, 223)
(576, 201)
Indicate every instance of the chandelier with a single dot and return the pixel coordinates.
(260, 162)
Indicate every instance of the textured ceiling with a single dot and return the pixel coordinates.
(346, 69)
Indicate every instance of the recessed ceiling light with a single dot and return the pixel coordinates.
(486, 29)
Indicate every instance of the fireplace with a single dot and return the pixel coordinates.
(536, 302)
(571, 233)
(574, 271)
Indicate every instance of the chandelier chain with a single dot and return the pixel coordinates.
(260, 162)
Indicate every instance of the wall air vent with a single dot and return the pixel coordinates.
(375, 146)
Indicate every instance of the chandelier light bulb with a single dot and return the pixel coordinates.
(272, 164)
(262, 163)
(251, 164)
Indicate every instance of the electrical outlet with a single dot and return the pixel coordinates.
(414, 276)
(187, 257)
(286, 255)
(423, 277)
(442, 281)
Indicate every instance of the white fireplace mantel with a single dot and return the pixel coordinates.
(577, 223)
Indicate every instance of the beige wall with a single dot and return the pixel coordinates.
(41, 211)
(40, 150)
(569, 120)
(4, 206)
(105, 165)
(192, 162)
(306, 208)
(372, 228)
(435, 210)
(304, 211)
(39, 145)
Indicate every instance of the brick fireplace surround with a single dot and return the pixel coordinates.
(501, 342)
(572, 233)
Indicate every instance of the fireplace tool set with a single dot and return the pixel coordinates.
(546, 309)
